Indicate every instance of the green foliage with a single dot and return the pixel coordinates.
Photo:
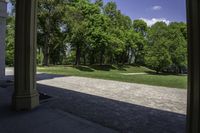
(10, 41)
(140, 26)
(157, 56)
(167, 47)
(51, 30)
(177, 46)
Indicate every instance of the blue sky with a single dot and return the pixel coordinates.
(152, 11)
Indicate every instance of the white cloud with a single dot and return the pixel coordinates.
(152, 21)
(156, 8)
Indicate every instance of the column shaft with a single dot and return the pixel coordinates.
(3, 15)
(25, 96)
(193, 118)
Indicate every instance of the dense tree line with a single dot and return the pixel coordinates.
(84, 32)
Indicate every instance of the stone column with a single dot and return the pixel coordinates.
(3, 15)
(193, 114)
(25, 96)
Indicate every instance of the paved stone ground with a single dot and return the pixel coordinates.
(125, 107)
(43, 119)
(9, 71)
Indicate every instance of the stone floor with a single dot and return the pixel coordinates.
(42, 119)
(124, 107)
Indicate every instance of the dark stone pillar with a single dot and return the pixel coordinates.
(193, 119)
(25, 96)
(3, 16)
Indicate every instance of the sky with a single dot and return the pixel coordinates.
(152, 11)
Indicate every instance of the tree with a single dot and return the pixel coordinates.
(140, 27)
(99, 3)
(80, 14)
(177, 46)
(157, 56)
(98, 37)
(157, 51)
(119, 27)
(50, 31)
(10, 33)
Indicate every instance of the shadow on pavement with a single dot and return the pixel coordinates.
(121, 116)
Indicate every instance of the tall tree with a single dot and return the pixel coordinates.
(177, 46)
(140, 27)
(157, 54)
(50, 16)
(80, 14)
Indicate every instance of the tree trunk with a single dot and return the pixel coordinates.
(158, 70)
(78, 55)
(92, 58)
(130, 56)
(46, 55)
(124, 58)
(180, 70)
(84, 60)
(101, 57)
(46, 47)
(111, 60)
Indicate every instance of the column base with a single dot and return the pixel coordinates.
(2, 74)
(27, 102)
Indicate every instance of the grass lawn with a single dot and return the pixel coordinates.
(115, 73)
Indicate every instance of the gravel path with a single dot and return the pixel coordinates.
(162, 98)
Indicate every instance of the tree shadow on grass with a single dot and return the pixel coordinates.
(110, 67)
(85, 68)
(162, 74)
(103, 67)
(122, 67)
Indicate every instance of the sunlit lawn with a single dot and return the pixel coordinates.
(116, 73)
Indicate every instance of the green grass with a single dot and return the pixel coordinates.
(114, 73)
